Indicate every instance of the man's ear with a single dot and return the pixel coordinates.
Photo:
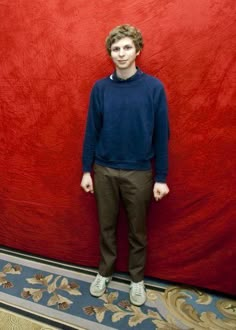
(137, 54)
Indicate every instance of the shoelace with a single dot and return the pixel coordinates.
(98, 281)
(137, 288)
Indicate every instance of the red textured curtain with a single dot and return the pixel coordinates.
(51, 52)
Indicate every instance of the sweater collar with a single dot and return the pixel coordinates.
(135, 76)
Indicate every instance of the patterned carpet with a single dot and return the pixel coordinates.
(36, 293)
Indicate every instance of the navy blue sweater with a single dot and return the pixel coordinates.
(127, 125)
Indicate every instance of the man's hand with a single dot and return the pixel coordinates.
(87, 183)
(160, 190)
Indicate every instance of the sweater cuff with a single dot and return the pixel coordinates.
(86, 169)
(160, 178)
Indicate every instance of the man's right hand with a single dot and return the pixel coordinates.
(87, 183)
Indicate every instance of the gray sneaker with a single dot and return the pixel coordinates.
(137, 293)
(99, 285)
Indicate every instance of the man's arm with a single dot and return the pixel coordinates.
(93, 127)
(161, 139)
(92, 132)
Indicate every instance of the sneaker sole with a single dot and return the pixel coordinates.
(136, 304)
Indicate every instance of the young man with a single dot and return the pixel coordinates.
(127, 127)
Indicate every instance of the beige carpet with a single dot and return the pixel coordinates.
(13, 321)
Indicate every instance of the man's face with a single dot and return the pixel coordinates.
(123, 53)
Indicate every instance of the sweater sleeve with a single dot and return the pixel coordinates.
(93, 127)
(161, 138)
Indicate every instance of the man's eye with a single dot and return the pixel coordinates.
(127, 47)
(116, 49)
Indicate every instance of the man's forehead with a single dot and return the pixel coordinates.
(122, 42)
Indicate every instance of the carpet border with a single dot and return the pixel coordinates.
(38, 317)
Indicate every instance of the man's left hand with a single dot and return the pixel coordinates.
(160, 190)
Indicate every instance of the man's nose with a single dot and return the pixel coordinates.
(121, 52)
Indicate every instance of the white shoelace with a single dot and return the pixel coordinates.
(98, 281)
(138, 288)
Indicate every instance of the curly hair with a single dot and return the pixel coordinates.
(121, 32)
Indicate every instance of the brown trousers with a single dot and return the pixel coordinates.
(134, 189)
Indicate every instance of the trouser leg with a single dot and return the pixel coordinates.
(107, 196)
(136, 192)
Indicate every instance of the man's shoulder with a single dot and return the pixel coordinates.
(156, 82)
(102, 82)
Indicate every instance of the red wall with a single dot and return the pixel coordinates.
(51, 52)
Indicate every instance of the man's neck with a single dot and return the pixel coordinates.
(126, 73)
